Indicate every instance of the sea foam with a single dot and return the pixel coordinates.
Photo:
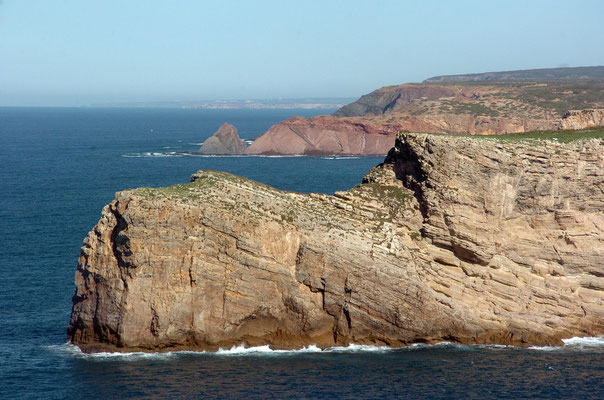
(571, 344)
(575, 343)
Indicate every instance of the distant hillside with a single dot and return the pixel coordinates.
(527, 100)
(544, 74)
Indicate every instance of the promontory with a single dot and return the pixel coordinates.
(452, 238)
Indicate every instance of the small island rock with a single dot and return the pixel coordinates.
(225, 141)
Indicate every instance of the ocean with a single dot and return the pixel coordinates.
(60, 166)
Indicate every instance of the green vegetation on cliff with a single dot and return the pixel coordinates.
(562, 136)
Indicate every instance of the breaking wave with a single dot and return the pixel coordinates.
(575, 343)
(572, 344)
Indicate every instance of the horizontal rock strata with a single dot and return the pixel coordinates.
(458, 239)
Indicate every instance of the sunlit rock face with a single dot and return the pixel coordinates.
(459, 239)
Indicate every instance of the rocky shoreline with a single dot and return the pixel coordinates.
(468, 240)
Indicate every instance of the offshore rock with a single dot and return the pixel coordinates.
(225, 141)
(459, 239)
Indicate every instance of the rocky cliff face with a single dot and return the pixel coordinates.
(393, 98)
(225, 141)
(459, 239)
(326, 135)
(581, 119)
(375, 135)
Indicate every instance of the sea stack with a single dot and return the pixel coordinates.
(225, 141)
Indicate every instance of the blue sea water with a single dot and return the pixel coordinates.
(60, 166)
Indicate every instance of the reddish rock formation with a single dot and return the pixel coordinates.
(372, 136)
(224, 142)
(326, 135)
(375, 135)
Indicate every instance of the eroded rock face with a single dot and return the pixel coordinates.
(459, 239)
(225, 141)
(326, 135)
(581, 119)
(375, 135)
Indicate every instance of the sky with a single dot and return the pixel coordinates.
(78, 52)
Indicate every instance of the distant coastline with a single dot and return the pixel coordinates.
(237, 104)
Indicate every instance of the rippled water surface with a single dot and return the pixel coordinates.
(59, 167)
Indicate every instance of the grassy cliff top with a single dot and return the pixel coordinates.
(561, 136)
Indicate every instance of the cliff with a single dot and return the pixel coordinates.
(326, 135)
(225, 141)
(369, 125)
(376, 135)
(581, 119)
(471, 240)
(542, 74)
(548, 100)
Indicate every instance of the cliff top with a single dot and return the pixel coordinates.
(523, 100)
(560, 136)
(542, 74)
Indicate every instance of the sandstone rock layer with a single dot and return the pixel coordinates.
(458, 239)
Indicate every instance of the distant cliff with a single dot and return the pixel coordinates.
(581, 119)
(543, 74)
(326, 135)
(520, 100)
(461, 239)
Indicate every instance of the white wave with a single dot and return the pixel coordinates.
(358, 348)
(69, 349)
(155, 154)
(578, 343)
(74, 351)
(242, 350)
(584, 341)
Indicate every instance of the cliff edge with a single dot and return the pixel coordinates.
(470, 240)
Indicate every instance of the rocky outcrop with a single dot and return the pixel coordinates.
(582, 119)
(225, 141)
(326, 135)
(329, 135)
(460, 239)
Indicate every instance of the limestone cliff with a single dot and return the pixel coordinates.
(225, 141)
(452, 238)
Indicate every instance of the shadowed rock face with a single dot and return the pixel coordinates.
(459, 239)
(224, 142)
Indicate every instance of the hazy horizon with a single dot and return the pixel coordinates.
(71, 53)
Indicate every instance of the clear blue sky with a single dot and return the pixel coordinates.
(74, 52)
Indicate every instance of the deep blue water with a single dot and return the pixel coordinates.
(59, 167)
